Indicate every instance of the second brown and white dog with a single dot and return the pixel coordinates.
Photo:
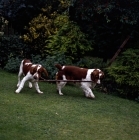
(32, 73)
(93, 76)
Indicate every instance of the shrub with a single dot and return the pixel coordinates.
(13, 64)
(42, 26)
(69, 39)
(125, 72)
(50, 61)
(38, 31)
(91, 62)
(12, 46)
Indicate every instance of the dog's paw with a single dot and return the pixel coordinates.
(17, 91)
(40, 92)
(61, 93)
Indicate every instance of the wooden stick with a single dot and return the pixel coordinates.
(63, 81)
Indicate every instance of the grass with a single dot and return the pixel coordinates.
(30, 116)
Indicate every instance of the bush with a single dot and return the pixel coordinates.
(91, 62)
(13, 64)
(11, 47)
(50, 61)
(69, 39)
(125, 72)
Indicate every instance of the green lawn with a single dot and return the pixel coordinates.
(30, 116)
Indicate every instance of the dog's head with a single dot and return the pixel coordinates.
(97, 75)
(37, 71)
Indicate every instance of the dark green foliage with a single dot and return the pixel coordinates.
(20, 12)
(91, 62)
(125, 73)
(13, 64)
(69, 40)
(108, 23)
(125, 11)
(41, 27)
(12, 46)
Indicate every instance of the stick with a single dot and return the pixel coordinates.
(63, 81)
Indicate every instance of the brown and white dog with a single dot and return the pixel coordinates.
(32, 73)
(77, 73)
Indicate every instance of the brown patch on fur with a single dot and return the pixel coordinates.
(59, 75)
(95, 75)
(75, 73)
(27, 66)
(33, 70)
(71, 72)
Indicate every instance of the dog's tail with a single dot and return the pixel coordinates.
(58, 66)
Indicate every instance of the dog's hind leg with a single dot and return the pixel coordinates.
(37, 88)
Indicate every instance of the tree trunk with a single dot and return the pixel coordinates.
(118, 51)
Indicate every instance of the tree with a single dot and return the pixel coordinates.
(3, 23)
(52, 32)
(69, 39)
(39, 29)
(107, 22)
(20, 12)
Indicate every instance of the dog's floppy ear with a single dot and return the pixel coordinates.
(95, 75)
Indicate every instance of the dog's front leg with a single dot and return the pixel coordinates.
(60, 85)
(19, 75)
(88, 92)
(37, 87)
(21, 85)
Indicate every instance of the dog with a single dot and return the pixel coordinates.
(32, 73)
(88, 78)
